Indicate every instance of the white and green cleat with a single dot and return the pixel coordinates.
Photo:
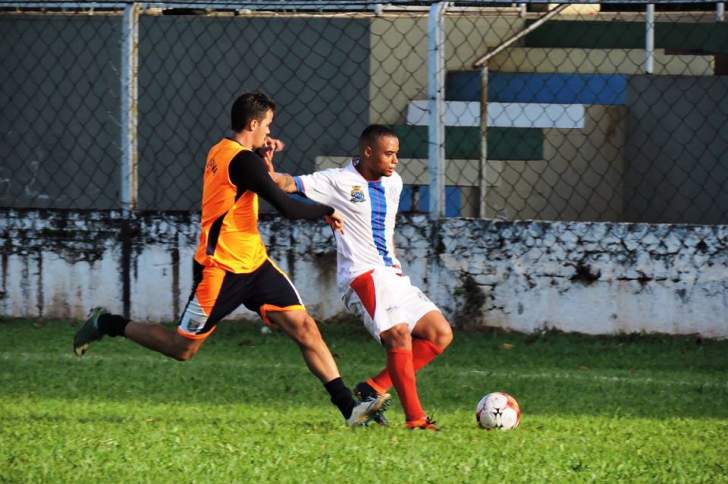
(366, 409)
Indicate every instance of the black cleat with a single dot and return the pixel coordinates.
(89, 332)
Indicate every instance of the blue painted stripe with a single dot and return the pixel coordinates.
(379, 215)
(453, 199)
(553, 88)
(405, 199)
(299, 184)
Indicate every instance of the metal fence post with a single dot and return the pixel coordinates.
(483, 141)
(650, 38)
(482, 64)
(129, 106)
(436, 95)
(522, 9)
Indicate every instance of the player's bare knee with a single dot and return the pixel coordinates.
(397, 337)
(306, 333)
(444, 336)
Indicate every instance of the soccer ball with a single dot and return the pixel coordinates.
(498, 410)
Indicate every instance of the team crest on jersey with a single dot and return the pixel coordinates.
(357, 194)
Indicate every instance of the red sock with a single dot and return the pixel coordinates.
(423, 352)
(399, 364)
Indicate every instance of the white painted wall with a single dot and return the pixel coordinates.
(502, 115)
(596, 278)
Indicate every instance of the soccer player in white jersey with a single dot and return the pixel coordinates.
(410, 327)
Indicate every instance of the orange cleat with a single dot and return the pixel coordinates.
(424, 424)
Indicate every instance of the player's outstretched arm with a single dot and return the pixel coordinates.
(248, 172)
(284, 181)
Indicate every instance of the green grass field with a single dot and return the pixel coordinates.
(646, 408)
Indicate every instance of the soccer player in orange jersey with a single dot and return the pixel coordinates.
(231, 264)
(400, 316)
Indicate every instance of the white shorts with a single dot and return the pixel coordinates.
(382, 298)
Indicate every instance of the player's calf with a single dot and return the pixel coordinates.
(161, 339)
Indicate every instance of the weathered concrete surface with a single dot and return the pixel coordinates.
(596, 278)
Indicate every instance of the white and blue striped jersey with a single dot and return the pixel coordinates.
(369, 209)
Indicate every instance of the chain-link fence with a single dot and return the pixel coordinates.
(613, 112)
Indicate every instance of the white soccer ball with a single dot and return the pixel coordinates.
(498, 410)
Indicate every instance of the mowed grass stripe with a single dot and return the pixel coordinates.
(584, 375)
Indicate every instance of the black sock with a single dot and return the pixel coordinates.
(112, 324)
(340, 396)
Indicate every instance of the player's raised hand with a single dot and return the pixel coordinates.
(277, 144)
(335, 221)
(266, 152)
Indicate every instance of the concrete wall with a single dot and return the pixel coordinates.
(594, 278)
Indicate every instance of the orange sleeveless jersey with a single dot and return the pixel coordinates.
(230, 239)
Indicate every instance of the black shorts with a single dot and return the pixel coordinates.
(217, 293)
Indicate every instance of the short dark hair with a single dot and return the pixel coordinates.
(249, 106)
(372, 133)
